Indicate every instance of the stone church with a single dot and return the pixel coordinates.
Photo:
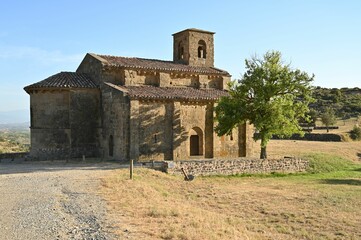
(133, 108)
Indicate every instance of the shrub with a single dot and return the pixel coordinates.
(355, 133)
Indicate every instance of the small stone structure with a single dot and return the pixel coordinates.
(237, 166)
(134, 108)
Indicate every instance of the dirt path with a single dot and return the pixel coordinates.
(53, 201)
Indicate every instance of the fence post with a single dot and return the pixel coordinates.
(131, 169)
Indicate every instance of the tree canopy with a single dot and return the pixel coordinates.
(328, 118)
(271, 95)
(346, 102)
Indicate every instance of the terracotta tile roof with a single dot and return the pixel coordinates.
(194, 30)
(64, 80)
(173, 93)
(154, 64)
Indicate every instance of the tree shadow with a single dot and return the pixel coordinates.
(354, 182)
(160, 130)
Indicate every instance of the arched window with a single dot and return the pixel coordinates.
(180, 51)
(202, 49)
(31, 117)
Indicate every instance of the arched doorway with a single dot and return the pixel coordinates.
(195, 142)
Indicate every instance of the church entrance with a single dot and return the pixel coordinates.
(196, 142)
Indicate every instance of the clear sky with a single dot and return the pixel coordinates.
(41, 38)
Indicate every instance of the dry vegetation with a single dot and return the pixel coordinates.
(280, 148)
(14, 140)
(325, 205)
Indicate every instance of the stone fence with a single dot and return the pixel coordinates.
(327, 137)
(322, 137)
(13, 156)
(237, 166)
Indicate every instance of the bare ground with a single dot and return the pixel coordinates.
(53, 201)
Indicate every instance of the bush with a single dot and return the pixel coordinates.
(355, 133)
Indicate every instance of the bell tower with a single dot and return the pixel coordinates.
(194, 47)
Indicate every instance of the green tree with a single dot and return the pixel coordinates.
(328, 118)
(313, 115)
(271, 95)
(355, 133)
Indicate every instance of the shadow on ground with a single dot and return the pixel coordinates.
(355, 182)
(14, 167)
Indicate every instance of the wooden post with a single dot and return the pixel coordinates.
(131, 169)
(185, 174)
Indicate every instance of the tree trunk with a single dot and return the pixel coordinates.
(263, 148)
(263, 153)
(327, 129)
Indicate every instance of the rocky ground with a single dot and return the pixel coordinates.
(54, 200)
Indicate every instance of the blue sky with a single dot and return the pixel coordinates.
(41, 38)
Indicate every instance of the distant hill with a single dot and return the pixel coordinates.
(345, 101)
(14, 126)
(18, 116)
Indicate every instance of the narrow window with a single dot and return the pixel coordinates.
(31, 117)
(155, 138)
(111, 145)
(200, 52)
(180, 51)
(231, 137)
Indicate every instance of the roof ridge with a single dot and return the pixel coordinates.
(158, 64)
(174, 93)
(64, 80)
(148, 59)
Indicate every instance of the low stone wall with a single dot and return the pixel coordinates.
(237, 166)
(327, 137)
(43, 154)
(14, 155)
(322, 137)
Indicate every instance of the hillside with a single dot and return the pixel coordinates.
(345, 101)
(14, 138)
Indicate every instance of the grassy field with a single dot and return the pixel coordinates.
(281, 148)
(344, 126)
(322, 204)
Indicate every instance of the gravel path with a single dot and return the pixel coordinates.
(53, 201)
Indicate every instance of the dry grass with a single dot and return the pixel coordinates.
(14, 140)
(280, 148)
(344, 126)
(159, 206)
(313, 206)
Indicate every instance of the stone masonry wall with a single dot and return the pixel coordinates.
(155, 130)
(64, 124)
(115, 122)
(237, 166)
